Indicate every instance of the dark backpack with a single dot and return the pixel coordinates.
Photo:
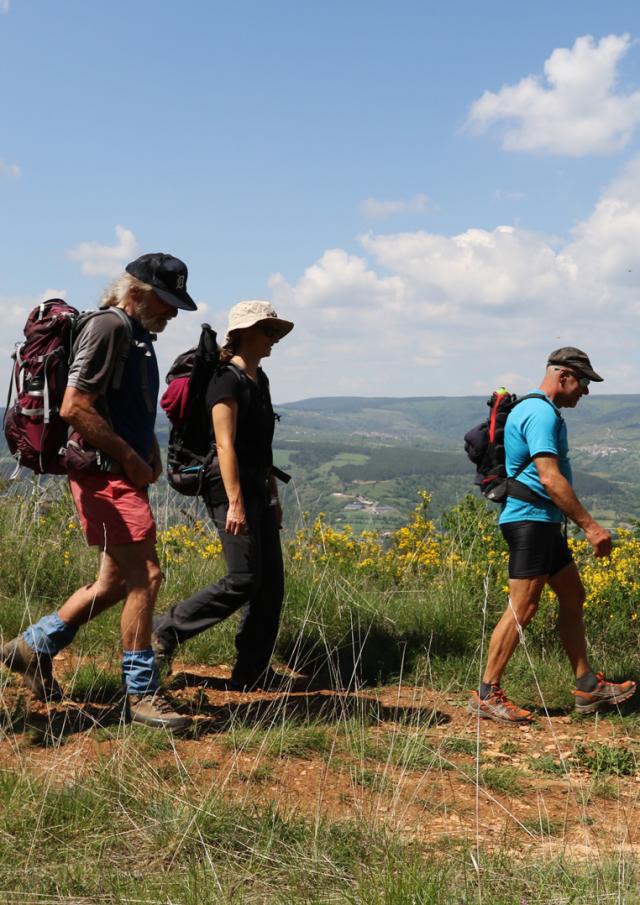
(191, 446)
(36, 434)
(191, 454)
(484, 445)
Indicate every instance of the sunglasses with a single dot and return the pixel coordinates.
(583, 381)
(269, 330)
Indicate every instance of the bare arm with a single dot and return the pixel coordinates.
(563, 495)
(156, 460)
(78, 410)
(225, 418)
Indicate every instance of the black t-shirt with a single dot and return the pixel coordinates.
(254, 429)
(131, 409)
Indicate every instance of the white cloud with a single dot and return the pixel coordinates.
(4, 6)
(576, 110)
(105, 260)
(420, 313)
(378, 210)
(10, 170)
(52, 294)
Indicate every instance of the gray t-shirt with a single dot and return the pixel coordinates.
(131, 408)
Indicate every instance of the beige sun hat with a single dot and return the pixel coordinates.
(246, 314)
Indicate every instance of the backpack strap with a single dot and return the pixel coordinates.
(144, 373)
(124, 348)
(263, 383)
(516, 488)
(538, 396)
(122, 354)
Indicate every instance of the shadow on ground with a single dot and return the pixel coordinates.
(46, 726)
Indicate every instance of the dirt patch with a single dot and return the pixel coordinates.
(406, 756)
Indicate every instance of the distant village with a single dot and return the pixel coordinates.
(362, 504)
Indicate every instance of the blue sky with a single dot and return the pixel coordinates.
(438, 194)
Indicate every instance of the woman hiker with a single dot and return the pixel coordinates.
(243, 503)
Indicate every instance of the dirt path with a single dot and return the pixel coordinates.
(402, 756)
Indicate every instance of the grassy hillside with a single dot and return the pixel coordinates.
(363, 780)
(371, 785)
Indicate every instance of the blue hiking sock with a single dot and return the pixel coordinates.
(49, 635)
(139, 671)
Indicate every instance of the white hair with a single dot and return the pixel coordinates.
(118, 291)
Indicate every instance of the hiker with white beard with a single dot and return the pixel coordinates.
(112, 500)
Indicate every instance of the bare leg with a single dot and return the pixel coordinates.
(87, 602)
(138, 565)
(568, 587)
(524, 595)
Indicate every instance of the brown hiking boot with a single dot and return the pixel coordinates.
(154, 709)
(604, 693)
(35, 669)
(496, 706)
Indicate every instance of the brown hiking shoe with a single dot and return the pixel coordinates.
(604, 693)
(154, 709)
(35, 669)
(496, 706)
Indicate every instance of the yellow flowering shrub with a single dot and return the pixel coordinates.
(412, 549)
(177, 543)
(468, 546)
(321, 543)
(612, 581)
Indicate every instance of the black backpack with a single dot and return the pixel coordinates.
(484, 445)
(190, 447)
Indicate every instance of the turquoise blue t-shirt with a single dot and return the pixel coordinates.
(534, 426)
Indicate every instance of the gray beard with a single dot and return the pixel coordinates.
(150, 323)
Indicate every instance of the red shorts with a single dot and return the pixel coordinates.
(111, 510)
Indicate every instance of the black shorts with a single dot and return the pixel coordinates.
(535, 548)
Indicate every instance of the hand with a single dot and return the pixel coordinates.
(600, 540)
(236, 518)
(277, 512)
(155, 463)
(138, 471)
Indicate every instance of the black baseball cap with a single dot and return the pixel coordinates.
(570, 357)
(167, 275)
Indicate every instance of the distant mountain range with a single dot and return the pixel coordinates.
(362, 460)
(441, 421)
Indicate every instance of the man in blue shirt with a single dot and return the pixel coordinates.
(531, 521)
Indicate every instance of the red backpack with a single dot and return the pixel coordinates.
(34, 430)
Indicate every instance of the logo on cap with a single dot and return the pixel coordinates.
(180, 282)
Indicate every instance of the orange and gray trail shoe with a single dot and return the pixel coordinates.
(604, 693)
(496, 706)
